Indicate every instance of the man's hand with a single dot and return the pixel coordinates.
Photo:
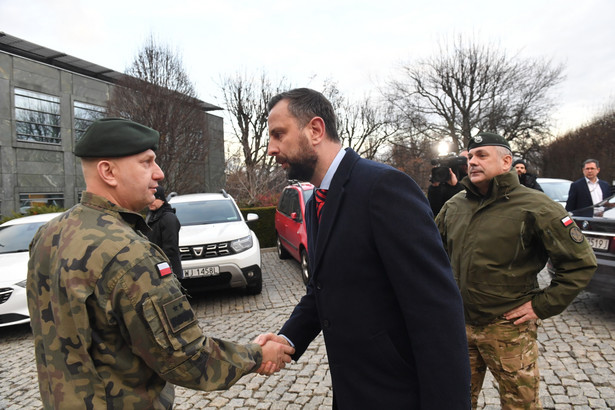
(453, 178)
(265, 337)
(276, 353)
(522, 313)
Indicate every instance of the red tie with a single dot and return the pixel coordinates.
(320, 196)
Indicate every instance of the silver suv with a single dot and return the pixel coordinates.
(218, 250)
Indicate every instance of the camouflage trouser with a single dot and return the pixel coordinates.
(511, 353)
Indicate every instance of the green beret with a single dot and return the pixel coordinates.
(116, 137)
(488, 138)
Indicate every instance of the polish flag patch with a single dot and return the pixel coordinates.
(164, 269)
(567, 221)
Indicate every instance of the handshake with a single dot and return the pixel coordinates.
(276, 353)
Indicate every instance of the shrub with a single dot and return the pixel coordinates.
(264, 227)
(35, 210)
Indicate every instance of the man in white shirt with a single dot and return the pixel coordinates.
(588, 190)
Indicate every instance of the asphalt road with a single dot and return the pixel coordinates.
(577, 353)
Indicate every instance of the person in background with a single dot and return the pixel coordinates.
(112, 329)
(525, 178)
(588, 190)
(499, 236)
(165, 229)
(381, 290)
(441, 191)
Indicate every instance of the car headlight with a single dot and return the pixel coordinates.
(242, 244)
(21, 284)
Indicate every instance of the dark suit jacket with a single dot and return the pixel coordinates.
(383, 294)
(580, 197)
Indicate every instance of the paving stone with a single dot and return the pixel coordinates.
(577, 352)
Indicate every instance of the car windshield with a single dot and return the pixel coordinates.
(17, 238)
(206, 212)
(557, 191)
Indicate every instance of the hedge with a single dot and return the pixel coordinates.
(264, 227)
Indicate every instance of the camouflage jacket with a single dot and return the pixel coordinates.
(111, 326)
(499, 243)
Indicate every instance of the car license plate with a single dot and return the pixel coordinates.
(202, 272)
(601, 244)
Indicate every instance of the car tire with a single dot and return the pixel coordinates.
(305, 266)
(282, 252)
(255, 288)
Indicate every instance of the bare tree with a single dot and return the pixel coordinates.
(468, 88)
(158, 93)
(364, 126)
(245, 98)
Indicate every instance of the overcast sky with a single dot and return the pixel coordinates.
(359, 44)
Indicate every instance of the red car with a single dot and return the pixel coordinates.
(291, 236)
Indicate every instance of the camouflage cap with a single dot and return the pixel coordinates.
(116, 137)
(488, 138)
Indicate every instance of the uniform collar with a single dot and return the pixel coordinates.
(134, 219)
(500, 185)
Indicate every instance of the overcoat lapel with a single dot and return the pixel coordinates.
(335, 197)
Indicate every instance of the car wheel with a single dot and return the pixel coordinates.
(282, 252)
(305, 266)
(255, 288)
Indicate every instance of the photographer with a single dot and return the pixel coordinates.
(444, 181)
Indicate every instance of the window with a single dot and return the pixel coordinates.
(27, 201)
(289, 202)
(206, 212)
(86, 114)
(37, 117)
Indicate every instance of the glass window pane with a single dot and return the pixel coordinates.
(28, 201)
(38, 117)
(86, 114)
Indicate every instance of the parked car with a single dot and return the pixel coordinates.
(599, 230)
(291, 236)
(15, 238)
(218, 250)
(555, 188)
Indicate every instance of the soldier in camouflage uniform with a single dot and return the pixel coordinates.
(499, 235)
(111, 327)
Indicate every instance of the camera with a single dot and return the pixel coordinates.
(441, 165)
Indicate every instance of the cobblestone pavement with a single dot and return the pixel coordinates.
(577, 353)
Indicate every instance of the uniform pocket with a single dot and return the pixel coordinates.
(521, 350)
(172, 322)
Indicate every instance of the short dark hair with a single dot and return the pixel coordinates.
(595, 161)
(305, 104)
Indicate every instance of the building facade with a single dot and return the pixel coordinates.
(47, 100)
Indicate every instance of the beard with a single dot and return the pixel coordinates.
(302, 167)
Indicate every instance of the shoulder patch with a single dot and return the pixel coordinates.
(576, 234)
(566, 221)
(164, 269)
(179, 313)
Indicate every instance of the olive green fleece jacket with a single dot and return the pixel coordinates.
(498, 244)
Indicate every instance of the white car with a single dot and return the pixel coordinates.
(15, 238)
(218, 250)
(555, 188)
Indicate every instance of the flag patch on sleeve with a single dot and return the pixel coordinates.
(566, 221)
(164, 269)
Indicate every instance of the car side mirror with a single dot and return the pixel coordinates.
(251, 217)
(294, 216)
